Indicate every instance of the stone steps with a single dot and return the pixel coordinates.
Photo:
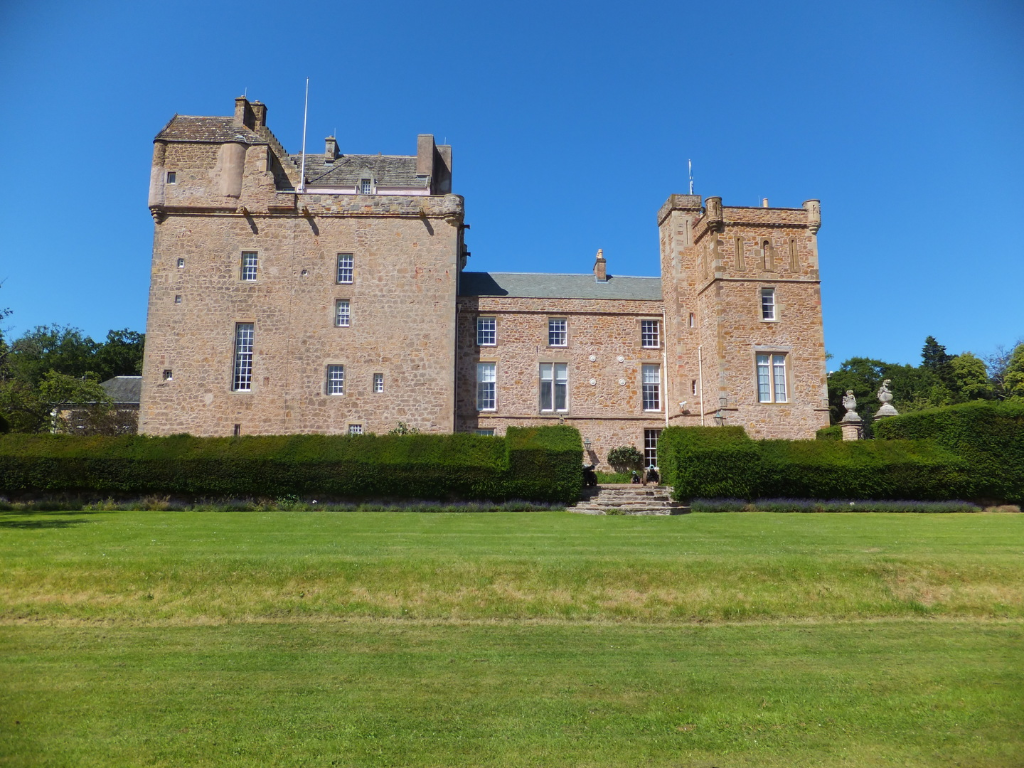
(628, 500)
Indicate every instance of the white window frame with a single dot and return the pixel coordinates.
(487, 386)
(355, 429)
(346, 268)
(651, 447)
(772, 377)
(554, 387)
(245, 340)
(334, 381)
(486, 331)
(650, 387)
(342, 313)
(650, 334)
(558, 332)
(769, 311)
(378, 383)
(366, 186)
(250, 266)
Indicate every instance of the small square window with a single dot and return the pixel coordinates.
(365, 187)
(378, 382)
(250, 262)
(345, 265)
(355, 429)
(181, 263)
(650, 336)
(177, 299)
(335, 380)
(486, 331)
(172, 177)
(342, 313)
(558, 332)
(168, 374)
(767, 303)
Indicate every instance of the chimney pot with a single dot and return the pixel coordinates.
(764, 202)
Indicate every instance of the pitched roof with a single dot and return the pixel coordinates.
(347, 170)
(123, 389)
(214, 130)
(533, 285)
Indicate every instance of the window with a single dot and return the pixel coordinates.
(767, 303)
(238, 430)
(249, 263)
(168, 374)
(650, 336)
(172, 177)
(365, 187)
(181, 263)
(651, 447)
(342, 314)
(484, 432)
(335, 380)
(177, 299)
(486, 331)
(378, 382)
(242, 379)
(651, 387)
(554, 383)
(740, 262)
(355, 429)
(693, 386)
(693, 320)
(486, 386)
(771, 378)
(344, 267)
(558, 332)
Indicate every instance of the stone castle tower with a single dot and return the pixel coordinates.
(328, 294)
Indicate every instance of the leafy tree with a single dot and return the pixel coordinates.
(970, 377)
(51, 348)
(913, 388)
(1013, 380)
(120, 354)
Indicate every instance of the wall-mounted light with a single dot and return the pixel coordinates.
(586, 443)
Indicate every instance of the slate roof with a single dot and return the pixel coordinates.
(347, 170)
(533, 285)
(213, 130)
(123, 389)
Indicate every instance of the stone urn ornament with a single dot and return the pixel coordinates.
(851, 423)
(885, 396)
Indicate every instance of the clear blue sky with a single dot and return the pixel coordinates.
(570, 125)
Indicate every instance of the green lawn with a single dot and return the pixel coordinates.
(298, 638)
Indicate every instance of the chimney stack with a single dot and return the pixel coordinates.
(243, 113)
(331, 150)
(259, 110)
(764, 202)
(601, 267)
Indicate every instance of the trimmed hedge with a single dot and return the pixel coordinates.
(723, 462)
(835, 433)
(537, 464)
(988, 436)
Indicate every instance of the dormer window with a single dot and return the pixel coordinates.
(366, 187)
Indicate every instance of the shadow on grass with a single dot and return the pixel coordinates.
(30, 519)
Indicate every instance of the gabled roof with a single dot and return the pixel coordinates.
(213, 130)
(347, 170)
(533, 285)
(123, 389)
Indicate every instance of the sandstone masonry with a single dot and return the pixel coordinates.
(337, 300)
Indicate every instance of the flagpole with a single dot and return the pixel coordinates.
(305, 114)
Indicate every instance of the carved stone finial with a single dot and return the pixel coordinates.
(850, 403)
(885, 397)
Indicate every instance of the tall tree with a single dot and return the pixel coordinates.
(120, 354)
(1013, 381)
(933, 355)
(970, 377)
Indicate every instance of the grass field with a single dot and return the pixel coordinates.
(273, 638)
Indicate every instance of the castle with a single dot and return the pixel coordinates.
(328, 293)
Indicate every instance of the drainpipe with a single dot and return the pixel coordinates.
(700, 377)
(664, 366)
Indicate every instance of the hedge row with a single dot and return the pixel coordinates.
(988, 436)
(717, 462)
(535, 464)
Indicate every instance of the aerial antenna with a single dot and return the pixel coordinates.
(305, 114)
(689, 166)
(245, 92)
